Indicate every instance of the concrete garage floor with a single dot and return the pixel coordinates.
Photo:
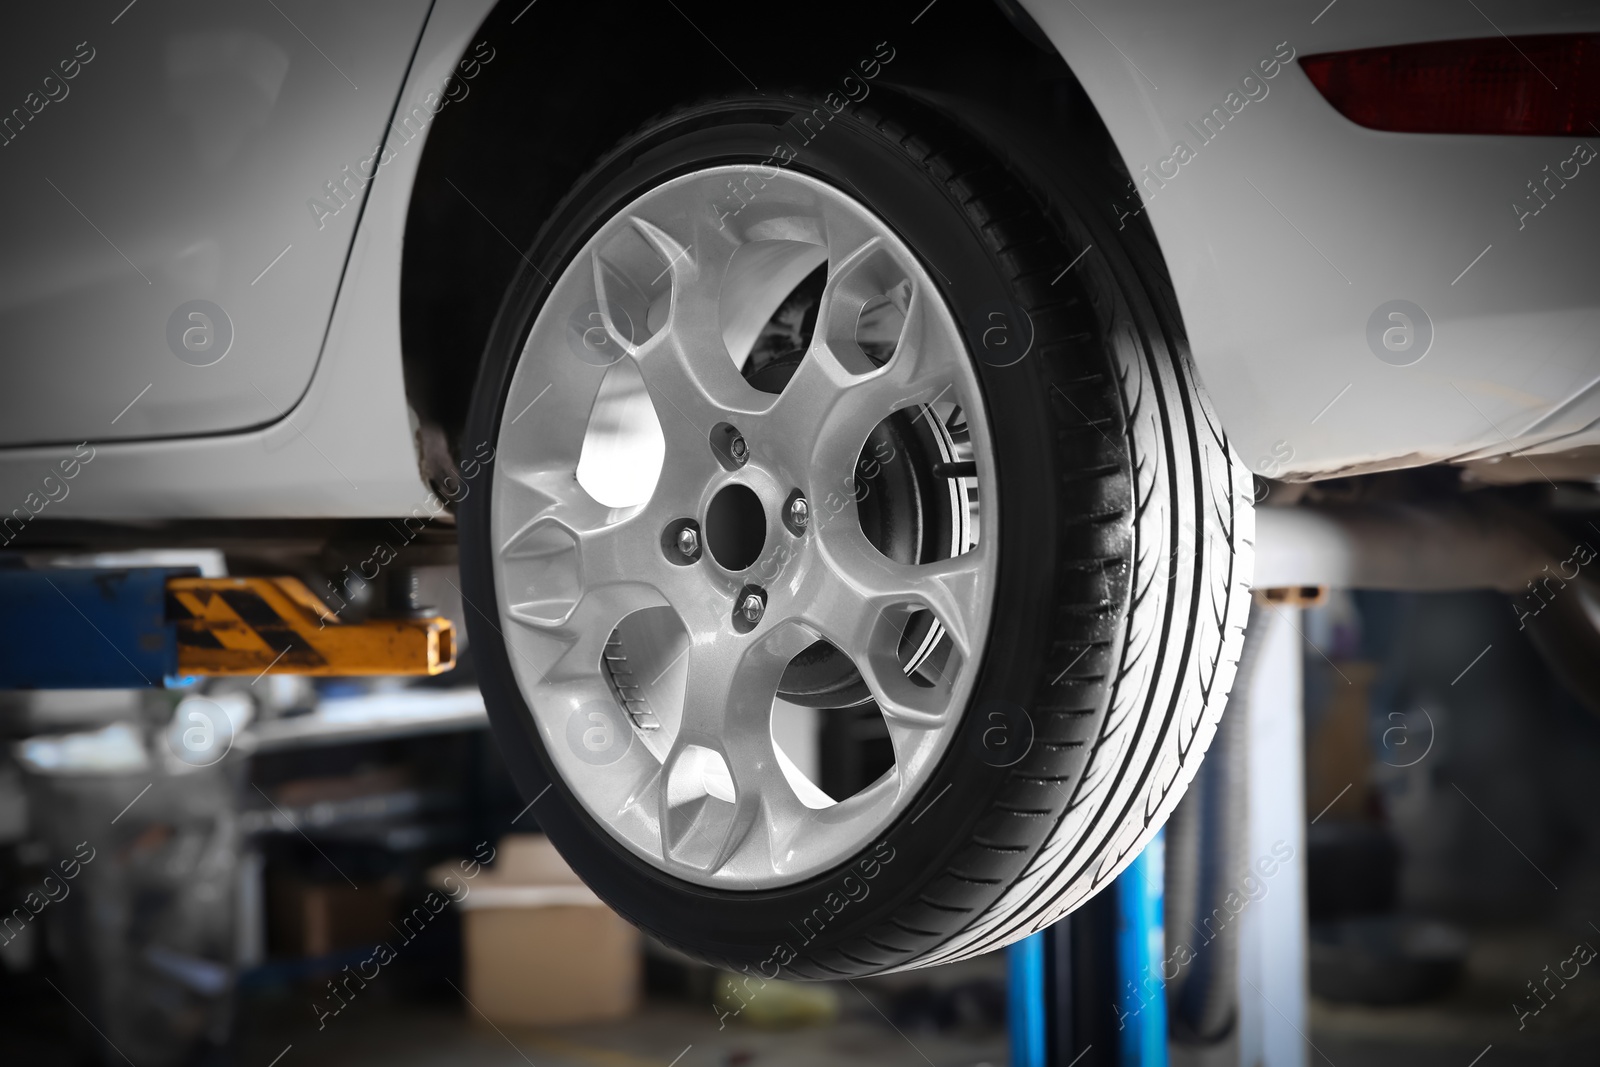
(1476, 1018)
(397, 1035)
(1478, 1013)
(1454, 1031)
(886, 1021)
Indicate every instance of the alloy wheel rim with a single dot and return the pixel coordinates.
(653, 580)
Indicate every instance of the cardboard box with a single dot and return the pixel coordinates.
(310, 919)
(540, 948)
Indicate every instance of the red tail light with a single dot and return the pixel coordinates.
(1534, 86)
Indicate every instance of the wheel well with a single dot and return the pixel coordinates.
(569, 80)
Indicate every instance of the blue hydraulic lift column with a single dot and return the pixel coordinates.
(1141, 945)
(1027, 999)
(1057, 988)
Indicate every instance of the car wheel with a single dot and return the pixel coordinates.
(815, 416)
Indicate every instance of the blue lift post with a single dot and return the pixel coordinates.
(1089, 990)
(1027, 1001)
(1141, 946)
(87, 629)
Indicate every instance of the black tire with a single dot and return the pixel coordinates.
(1125, 528)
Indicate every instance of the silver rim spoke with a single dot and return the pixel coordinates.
(673, 362)
(864, 603)
(726, 709)
(653, 687)
(837, 395)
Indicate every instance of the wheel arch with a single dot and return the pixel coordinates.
(569, 81)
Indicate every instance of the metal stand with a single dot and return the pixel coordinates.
(1273, 980)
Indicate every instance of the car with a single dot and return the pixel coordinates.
(852, 423)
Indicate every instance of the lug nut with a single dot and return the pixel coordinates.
(749, 604)
(729, 446)
(680, 542)
(688, 542)
(751, 607)
(796, 513)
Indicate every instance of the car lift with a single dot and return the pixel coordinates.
(98, 628)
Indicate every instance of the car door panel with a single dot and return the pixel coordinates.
(169, 272)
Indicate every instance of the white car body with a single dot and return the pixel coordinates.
(1284, 234)
(1294, 224)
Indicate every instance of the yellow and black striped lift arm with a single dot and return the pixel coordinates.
(251, 625)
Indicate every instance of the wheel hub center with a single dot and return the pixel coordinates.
(736, 527)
